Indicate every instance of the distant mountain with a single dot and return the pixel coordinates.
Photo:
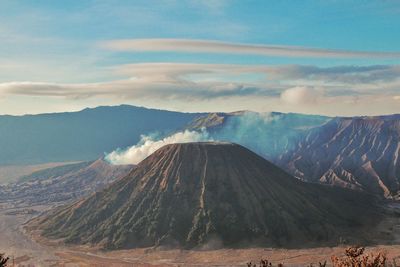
(361, 153)
(196, 193)
(83, 135)
(50, 173)
(61, 184)
(268, 134)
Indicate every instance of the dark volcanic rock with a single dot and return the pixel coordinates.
(191, 194)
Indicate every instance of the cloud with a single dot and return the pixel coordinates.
(154, 80)
(173, 71)
(344, 74)
(210, 46)
(189, 81)
(131, 89)
(300, 95)
(201, 87)
(135, 154)
(293, 84)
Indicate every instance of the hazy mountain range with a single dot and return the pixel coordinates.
(238, 188)
(83, 135)
(60, 185)
(361, 153)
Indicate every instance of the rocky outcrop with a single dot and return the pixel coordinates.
(360, 153)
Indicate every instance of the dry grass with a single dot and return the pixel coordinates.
(3, 260)
(354, 257)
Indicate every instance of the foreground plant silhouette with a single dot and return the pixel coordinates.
(263, 263)
(3, 260)
(266, 263)
(354, 257)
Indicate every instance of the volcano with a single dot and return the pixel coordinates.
(188, 195)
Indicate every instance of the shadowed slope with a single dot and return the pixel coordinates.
(189, 194)
(81, 136)
(359, 153)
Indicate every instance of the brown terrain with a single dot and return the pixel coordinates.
(211, 195)
(39, 191)
(218, 257)
(359, 153)
(44, 252)
(30, 248)
(356, 153)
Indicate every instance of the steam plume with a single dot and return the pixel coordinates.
(147, 145)
(268, 134)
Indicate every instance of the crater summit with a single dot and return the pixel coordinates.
(190, 194)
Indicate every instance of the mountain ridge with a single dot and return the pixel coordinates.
(63, 184)
(192, 193)
(82, 136)
(360, 153)
(340, 151)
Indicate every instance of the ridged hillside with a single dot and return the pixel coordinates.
(62, 184)
(190, 194)
(360, 153)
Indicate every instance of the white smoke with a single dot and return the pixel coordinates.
(147, 145)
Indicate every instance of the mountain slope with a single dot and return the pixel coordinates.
(83, 135)
(268, 134)
(190, 194)
(361, 153)
(57, 171)
(61, 184)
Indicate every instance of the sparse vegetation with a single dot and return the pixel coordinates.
(266, 263)
(3, 260)
(354, 257)
(263, 263)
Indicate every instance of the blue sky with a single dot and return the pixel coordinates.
(329, 57)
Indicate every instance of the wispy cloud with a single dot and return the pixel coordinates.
(208, 46)
(288, 87)
(131, 89)
(343, 74)
(207, 81)
(172, 70)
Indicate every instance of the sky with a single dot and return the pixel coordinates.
(331, 57)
